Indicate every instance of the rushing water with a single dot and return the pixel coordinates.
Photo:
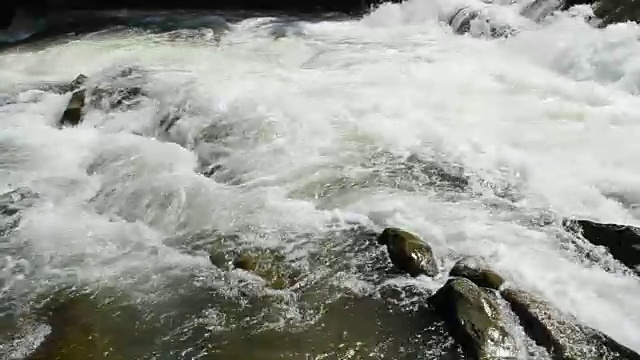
(315, 127)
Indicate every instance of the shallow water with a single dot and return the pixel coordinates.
(314, 128)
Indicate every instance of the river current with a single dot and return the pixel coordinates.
(294, 133)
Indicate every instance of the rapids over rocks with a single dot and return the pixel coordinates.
(431, 180)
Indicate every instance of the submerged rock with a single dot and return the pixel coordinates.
(474, 320)
(409, 253)
(477, 271)
(11, 203)
(561, 335)
(269, 265)
(76, 331)
(217, 254)
(118, 89)
(622, 241)
(475, 23)
(14, 201)
(6, 15)
(439, 172)
(72, 115)
(77, 83)
(116, 97)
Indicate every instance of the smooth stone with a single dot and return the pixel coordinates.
(409, 253)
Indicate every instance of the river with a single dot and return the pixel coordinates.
(310, 128)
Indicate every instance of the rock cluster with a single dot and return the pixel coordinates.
(474, 317)
(469, 301)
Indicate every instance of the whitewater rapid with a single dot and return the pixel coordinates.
(550, 116)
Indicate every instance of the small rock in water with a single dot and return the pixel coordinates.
(268, 265)
(622, 241)
(218, 245)
(560, 334)
(477, 271)
(219, 259)
(474, 320)
(72, 116)
(409, 253)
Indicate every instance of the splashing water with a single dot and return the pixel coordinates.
(311, 127)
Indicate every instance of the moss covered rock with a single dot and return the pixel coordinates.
(409, 253)
(474, 320)
(562, 335)
(477, 271)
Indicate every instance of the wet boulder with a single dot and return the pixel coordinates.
(622, 241)
(478, 272)
(72, 115)
(560, 334)
(615, 11)
(474, 320)
(267, 264)
(219, 255)
(409, 253)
